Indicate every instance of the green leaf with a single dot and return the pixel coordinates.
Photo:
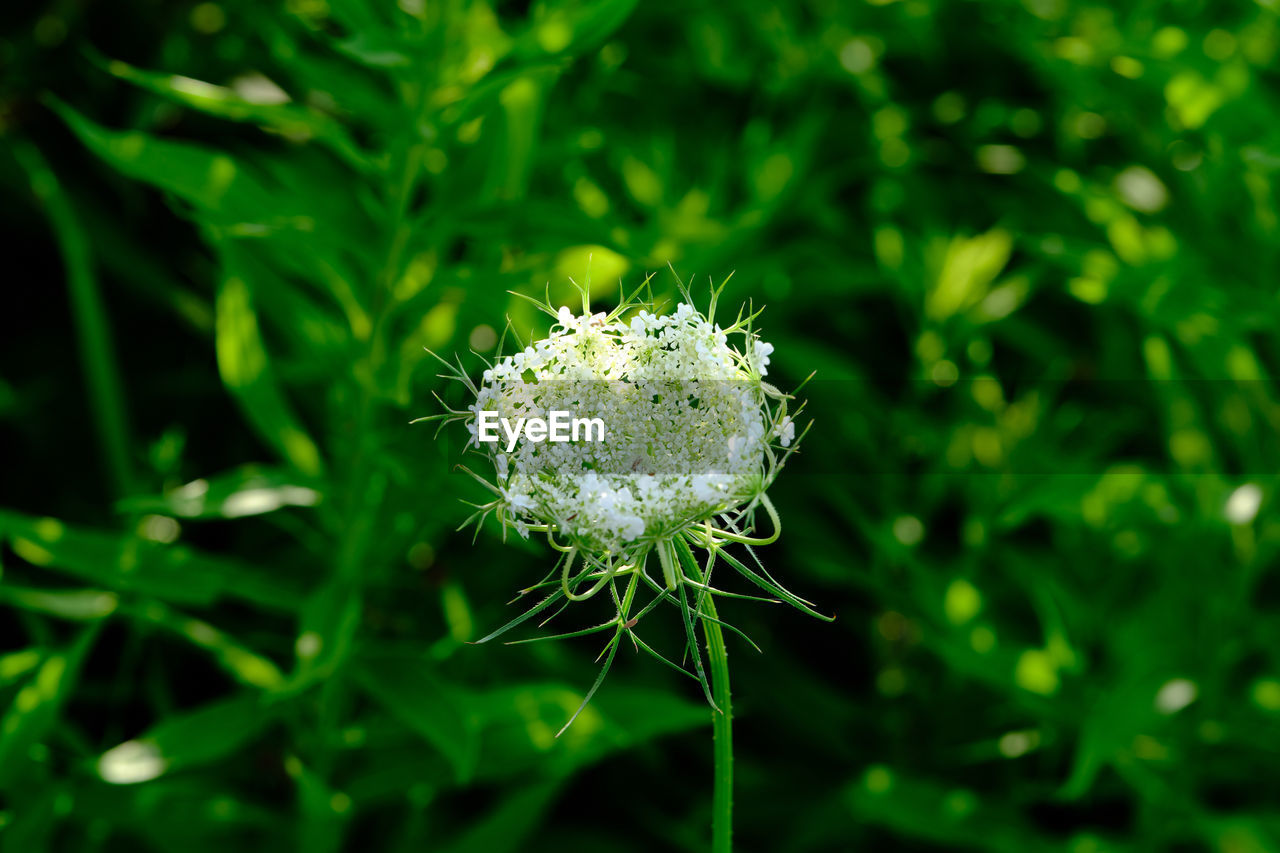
(327, 629)
(128, 563)
(195, 812)
(508, 827)
(377, 50)
(246, 372)
(427, 705)
(288, 119)
(574, 27)
(245, 491)
(211, 180)
(242, 663)
(519, 725)
(966, 268)
(17, 664)
(186, 740)
(93, 326)
(36, 708)
(33, 826)
(958, 817)
(323, 809)
(78, 605)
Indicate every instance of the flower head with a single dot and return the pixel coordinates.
(691, 439)
(686, 428)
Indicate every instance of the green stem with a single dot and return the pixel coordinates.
(722, 734)
(721, 719)
(97, 351)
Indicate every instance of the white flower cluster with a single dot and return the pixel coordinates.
(687, 427)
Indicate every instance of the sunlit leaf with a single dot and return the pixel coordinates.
(245, 369)
(185, 740)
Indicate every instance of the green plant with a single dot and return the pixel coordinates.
(1028, 246)
(692, 439)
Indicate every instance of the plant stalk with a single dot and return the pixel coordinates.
(722, 734)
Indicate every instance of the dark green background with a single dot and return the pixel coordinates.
(1030, 248)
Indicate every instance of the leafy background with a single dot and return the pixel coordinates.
(1030, 249)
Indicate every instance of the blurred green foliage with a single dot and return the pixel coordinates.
(1030, 248)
